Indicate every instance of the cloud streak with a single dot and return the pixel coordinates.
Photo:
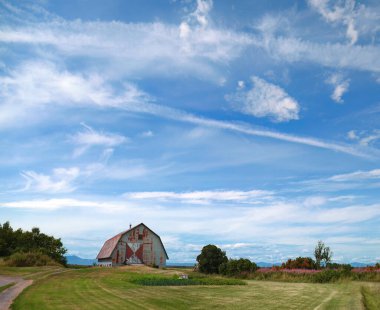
(59, 182)
(204, 197)
(90, 137)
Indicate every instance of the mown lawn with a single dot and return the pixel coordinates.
(97, 288)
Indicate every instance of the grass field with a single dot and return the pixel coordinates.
(103, 288)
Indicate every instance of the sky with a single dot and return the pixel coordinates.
(252, 125)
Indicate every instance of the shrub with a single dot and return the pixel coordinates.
(29, 259)
(346, 267)
(300, 263)
(326, 276)
(236, 267)
(210, 259)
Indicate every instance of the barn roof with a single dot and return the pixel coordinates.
(110, 244)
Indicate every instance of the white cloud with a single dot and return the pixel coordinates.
(241, 84)
(60, 181)
(265, 100)
(61, 203)
(352, 135)
(370, 138)
(193, 47)
(90, 137)
(35, 86)
(147, 134)
(365, 138)
(244, 227)
(217, 219)
(202, 197)
(43, 84)
(357, 176)
(339, 13)
(340, 85)
(291, 48)
(39, 83)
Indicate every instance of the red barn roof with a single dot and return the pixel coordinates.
(110, 244)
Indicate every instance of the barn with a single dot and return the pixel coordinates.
(137, 245)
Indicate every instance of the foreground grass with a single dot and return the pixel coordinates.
(371, 296)
(102, 288)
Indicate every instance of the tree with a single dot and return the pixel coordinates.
(322, 253)
(237, 267)
(13, 241)
(299, 263)
(210, 259)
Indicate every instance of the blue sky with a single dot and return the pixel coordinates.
(253, 125)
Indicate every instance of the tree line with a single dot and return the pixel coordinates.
(213, 260)
(20, 241)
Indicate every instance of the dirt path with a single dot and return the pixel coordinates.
(7, 296)
(327, 299)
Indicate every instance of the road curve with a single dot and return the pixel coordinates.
(7, 296)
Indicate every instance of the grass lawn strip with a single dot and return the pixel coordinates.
(110, 288)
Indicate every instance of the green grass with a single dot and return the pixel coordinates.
(114, 288)
(371, 298)
(325, 276)
(4, 287)
(154, 280)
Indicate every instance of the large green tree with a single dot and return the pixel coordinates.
(12, 241)
(210, 259)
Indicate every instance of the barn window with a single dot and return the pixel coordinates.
(140, 237)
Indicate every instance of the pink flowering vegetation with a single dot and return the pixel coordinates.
(375, 268)
(284, 270)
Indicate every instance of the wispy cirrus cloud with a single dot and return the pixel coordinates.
(340, 85)
(202, 197)
(60, 181)
(40, 84)
(89, 137)
(365, 137)
(357, 176)
(193, 47)
(36, 85)
(252, 220)
(265, 100)
(338, 13)
(286, 40)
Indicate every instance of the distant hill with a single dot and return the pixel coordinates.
(76, 260)
(356, 264)
(168, 264)
(266, 265)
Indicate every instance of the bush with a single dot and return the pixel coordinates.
(210, 259)
(29, 259)
(327, 276)
(236, 267)
(346, 267)
(300, 263)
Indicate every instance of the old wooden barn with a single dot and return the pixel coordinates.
(137, 245)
